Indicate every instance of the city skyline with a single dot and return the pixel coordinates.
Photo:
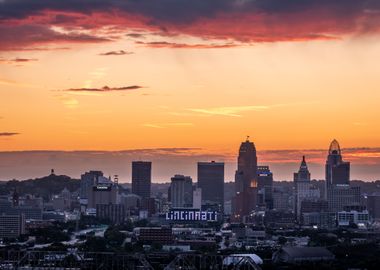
(126, 75)
(73, 163)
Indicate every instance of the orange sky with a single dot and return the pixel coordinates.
(197, 77)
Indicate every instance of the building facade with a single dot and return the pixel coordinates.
(181, 191)
(211, 181)
(141, 178)
(246, 190)
(12, 226)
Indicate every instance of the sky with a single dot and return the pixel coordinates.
(95, 84)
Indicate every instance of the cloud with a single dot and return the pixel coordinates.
(165, 125)
(174, 45)
(30, 23)
(228, 111)
(24, 36)
(8, 134)
(17, 60)
(105, 89)
(120, 52)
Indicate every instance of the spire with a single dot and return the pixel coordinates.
(334, 148)
(303, 163)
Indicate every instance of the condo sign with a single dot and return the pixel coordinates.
(191, 215)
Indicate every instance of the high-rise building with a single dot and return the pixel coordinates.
(141, 178)
(211, 181)
(265, 185)
(246, 174)
(103, 192)
(246, 180)
(337, 170)
(88, 180)
(181, 189)
(301, 187)
(338, 191)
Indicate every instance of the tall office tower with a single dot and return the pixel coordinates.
(246, 174)
(103, 193)
(337, 171)
(88, 180)
(141, 178)
(211, 181)
(301, 187)
(245, 181)
(265, 184)
(181, 189)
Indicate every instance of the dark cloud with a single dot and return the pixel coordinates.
(105, 89)
(17, 60)
(174, 45)
(34, 35)
(135, 35)
(8, 134)
(29, 23)
(120, 52)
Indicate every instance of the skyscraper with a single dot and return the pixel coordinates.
(245, 180)
(141, 178)
(246, 174)
(211, 181)
(88, 180)
(338, 191)
(301, 187)
(337, 171)
(265, 185)
(181, 191)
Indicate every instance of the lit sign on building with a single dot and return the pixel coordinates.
(102, 188)
(191, 215)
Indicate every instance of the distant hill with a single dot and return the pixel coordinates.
(44, 187)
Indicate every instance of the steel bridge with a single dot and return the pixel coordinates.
(73, 260)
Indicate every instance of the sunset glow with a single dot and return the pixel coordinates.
(119, 75)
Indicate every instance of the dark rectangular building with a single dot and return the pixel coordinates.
(113, 212)
(141, 178)
(161, 235)
(211, 181)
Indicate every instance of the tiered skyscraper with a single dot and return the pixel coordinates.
(338, 191)
(141, 178)
(246, 180)
(302, 186)
(337, 171)
(246, 174)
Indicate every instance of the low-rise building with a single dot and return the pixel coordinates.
(12, 226)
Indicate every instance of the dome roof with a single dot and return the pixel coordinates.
(334, 148)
